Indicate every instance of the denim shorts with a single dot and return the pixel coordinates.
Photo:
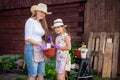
(33, 68)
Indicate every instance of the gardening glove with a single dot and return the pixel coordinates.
(57, 46)
(43, 47)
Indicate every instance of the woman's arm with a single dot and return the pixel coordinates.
(28, 32)
(33, 42)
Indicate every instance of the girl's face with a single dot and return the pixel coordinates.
(40, 14)
(59, 30)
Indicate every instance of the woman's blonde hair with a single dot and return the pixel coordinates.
(45, 26)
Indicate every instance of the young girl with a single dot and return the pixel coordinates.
(63, 45)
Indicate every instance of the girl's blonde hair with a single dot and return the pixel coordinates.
(65, 29)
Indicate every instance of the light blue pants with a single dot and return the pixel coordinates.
(33, 68)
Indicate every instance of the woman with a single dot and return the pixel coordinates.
(63, 45)
(36, 31)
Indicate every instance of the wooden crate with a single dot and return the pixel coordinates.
(103, 51)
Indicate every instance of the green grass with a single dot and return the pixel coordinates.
(21, 79)
(99, 77)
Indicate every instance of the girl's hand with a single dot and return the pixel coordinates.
(57, 46)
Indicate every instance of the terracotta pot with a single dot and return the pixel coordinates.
(77, 53)
(49, 52)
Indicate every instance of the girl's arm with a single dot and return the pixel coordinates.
(68, 44)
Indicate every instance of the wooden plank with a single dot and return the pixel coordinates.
(73, 34)
(13, 19)
(93, 44)
(11, 31)
(107, 64)
(90, 44)
(73, 14)
(68, 19)
(95, 57)
(115, 55)
(76, 29)
(67, 6)
(12, 25)
(71, 25)
(93, 47)
(18, 38)
(16, 12)
(66, 10)
(101, 51)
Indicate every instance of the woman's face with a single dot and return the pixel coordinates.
(40, 14)
(59, 30)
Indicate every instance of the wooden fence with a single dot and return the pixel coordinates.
(103, 52)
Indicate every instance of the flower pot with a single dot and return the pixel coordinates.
(49, 52)
(77, 53)
(84, 53)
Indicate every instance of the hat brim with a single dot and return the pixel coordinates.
(57, 26)
(36, 8)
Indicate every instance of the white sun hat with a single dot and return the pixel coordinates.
(39, 7)
(58, 22)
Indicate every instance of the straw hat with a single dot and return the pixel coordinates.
(58, 22)
(40, 7)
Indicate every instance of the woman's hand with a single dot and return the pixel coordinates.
(31, 41)
(43, 47)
